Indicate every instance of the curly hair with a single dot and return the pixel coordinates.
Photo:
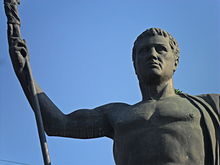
(153, 32)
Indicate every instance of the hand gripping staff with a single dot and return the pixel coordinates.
(11, 11)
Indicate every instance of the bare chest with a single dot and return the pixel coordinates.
(165, 129)
(160, 113)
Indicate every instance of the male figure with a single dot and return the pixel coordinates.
(162, 129)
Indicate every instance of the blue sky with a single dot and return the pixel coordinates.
(81, 57)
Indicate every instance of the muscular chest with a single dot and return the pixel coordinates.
(147, 115)
(173, 124)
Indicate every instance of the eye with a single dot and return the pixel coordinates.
(143, 50)
(160, 48)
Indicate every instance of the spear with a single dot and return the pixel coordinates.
(11, 11)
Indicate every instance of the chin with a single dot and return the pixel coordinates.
(154, 77)
(151, 79)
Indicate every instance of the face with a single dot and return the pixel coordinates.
(155, 60)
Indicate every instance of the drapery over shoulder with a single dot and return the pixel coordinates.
(209, 107)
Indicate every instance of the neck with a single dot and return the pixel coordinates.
(157, 91)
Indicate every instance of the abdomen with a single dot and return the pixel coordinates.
(178, 143)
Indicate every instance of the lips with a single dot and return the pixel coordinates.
(153, 64)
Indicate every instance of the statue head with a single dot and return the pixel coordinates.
(155, 55)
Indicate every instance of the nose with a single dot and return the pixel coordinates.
(152, 53)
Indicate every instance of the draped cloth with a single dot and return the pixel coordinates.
(209, 108)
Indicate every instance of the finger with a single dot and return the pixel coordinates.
(17, 39)
(18, 62)
(21, 50)
(21, 60)
(16, 48)
(23, 44)
(18, 42)
(14, 41)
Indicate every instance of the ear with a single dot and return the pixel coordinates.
(176, 63)
(134, 59)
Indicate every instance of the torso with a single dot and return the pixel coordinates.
(162, 132)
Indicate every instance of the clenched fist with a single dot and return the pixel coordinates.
(19, 55)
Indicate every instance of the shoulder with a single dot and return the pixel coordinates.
(112, 107)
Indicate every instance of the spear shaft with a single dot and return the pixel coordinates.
(11, 11)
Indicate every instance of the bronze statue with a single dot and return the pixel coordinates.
(164, 128)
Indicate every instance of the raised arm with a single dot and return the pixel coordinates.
(79, 124)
